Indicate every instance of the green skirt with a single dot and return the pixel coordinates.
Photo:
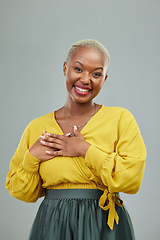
(74, 214)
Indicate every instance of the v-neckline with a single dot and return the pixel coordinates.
(60, 129)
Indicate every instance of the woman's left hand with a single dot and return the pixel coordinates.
(65, 145)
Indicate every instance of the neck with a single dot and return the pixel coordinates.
(79, 109)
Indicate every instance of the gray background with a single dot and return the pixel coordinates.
(34, 39)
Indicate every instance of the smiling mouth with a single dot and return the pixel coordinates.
(82, 89)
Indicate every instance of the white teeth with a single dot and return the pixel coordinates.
(81, 89)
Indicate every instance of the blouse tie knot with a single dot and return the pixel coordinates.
(107, 202)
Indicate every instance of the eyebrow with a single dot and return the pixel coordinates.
(94, 68)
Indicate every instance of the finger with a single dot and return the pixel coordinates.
(54, 153)
(44, 133)
(51, 145)
(61, 137)
(75, 130)
(50, 139)
(68, 134)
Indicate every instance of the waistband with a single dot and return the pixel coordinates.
(73, 194)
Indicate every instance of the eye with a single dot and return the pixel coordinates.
(77, 69)
(96, 74)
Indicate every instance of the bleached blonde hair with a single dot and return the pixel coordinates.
(88, 43)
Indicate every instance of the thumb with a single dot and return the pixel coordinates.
(44, 133)
(75, 130)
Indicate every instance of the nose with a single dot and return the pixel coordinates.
(85, 78)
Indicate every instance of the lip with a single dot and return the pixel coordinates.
(82, 87)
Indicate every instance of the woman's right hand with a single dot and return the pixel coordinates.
(39, 151)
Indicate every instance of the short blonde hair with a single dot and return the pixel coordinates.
(88, 43)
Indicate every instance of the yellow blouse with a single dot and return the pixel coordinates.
(114, 162)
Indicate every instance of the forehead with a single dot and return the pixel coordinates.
(88, 55)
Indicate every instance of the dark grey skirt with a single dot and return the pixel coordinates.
(74, 214)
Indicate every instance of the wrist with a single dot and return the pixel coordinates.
(84, 149)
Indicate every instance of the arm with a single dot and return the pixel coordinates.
(121, 170)
(23, 180)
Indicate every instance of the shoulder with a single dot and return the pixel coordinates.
(119, 115)
(35, 128)
(117, 111)
(40, 122)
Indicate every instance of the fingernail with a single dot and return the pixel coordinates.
(48, 152)
(75, 127)
(48, 134)
(43, 142)
(43, 131)
(68, 134)
(42, 137)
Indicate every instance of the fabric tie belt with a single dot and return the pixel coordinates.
(110, 199)
(107, 200)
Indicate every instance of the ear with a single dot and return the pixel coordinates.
(64, 68)
(106, 77)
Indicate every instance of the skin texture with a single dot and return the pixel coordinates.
(85, 73)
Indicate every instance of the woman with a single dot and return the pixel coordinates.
(80, 157)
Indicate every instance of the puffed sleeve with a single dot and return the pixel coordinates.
(123, 169)
(23, 180)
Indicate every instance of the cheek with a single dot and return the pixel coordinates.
(70, 78)
(98, 84)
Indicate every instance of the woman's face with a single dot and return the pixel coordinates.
(85, 72)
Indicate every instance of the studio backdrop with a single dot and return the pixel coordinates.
(34, 39)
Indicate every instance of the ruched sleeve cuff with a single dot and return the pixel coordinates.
(94, 158)
(30, 163)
